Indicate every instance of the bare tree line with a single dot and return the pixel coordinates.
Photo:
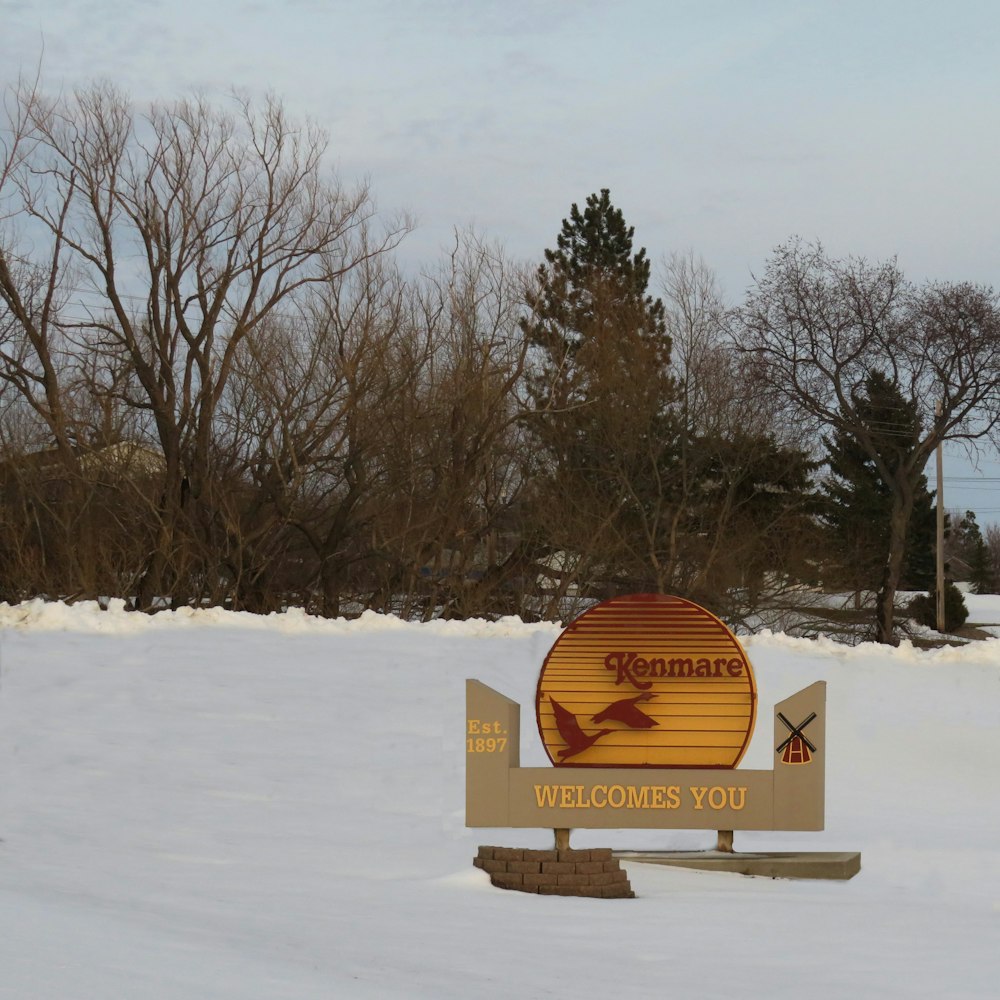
(218, 387)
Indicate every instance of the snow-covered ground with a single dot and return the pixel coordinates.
(209, 805)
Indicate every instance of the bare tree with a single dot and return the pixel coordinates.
(816, 328)
(739, 479)
(307, 416)
(455, 458)
(372, 434)
(33, 282)
(172, 237)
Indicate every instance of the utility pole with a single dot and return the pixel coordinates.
(939, 587)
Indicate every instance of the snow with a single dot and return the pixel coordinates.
(216, 805)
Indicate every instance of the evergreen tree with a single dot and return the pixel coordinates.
(601, 388)
(963, 540)
(919, 563)
(858, 501)
(970, 557)
(592, 289)
(756, 508)
(982, 575)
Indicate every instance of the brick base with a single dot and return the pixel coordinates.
(556, 873)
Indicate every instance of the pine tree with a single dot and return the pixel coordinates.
(963, 540)
(591, 289)
(920, 563)
(982, 575)
(757, 507)
(970, 557)
(858, 501)
(601, 388)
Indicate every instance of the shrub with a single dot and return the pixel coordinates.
(923, 608)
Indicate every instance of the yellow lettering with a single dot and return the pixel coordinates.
(638, 798)
(474, 725)
(545, 795)
(717, 801)
(733, 803)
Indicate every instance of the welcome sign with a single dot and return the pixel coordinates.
(645, 704)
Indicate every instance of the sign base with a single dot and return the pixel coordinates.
(595, 873)
(788, 864)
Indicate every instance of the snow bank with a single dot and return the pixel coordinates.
(90, 617)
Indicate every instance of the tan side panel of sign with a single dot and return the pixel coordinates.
(646, 681)
(800, 759)
(492, 750)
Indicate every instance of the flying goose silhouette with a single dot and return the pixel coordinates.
(628, 712)
(569, 729)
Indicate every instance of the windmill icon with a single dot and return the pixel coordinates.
(796, 749)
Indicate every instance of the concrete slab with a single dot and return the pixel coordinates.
(791, 864)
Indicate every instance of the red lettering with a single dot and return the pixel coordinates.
(622, 664)
(681, 668)
(631, 668)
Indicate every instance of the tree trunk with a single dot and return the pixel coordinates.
(902, 507)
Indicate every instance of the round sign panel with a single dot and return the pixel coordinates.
(646, 681)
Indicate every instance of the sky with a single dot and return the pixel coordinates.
(720, 126)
